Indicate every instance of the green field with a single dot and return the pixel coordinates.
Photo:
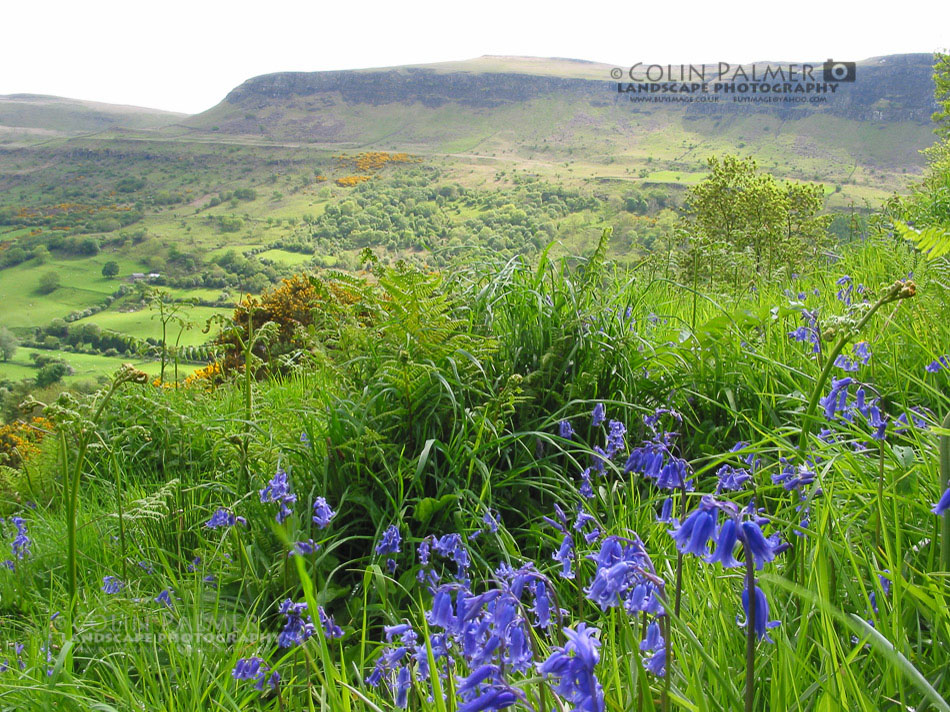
(85, 366)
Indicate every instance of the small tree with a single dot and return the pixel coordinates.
(110, 269)
(743, 224)
(51, 373)
(41, 254)
(8, 343)
(49, 282)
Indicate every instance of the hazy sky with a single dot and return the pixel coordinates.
(185, 56)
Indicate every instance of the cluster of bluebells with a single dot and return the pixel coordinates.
(861, 353)
(224, 518)
(733, 479)
(111, 585)
(20, 546)
(847, 290)
(389, 545)
(711, 533)
(837, 404)
(255, 669)
(799, 478)
(298, 627)
(626, 579)
(809, 332)
(938, 364)
(655, 458)
(18, 652)
(486, 637)
(277, 491)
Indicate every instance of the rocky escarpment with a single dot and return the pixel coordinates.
(894, 88)
(412, 85)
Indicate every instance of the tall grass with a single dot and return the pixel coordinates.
(449, 409)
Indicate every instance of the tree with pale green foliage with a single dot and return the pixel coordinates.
(742, 225)
(8, 343)
(49, 282)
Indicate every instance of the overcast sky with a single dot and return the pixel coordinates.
(185, 56)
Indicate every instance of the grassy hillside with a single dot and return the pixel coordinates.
(32, 118)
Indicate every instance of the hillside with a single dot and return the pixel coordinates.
(32, 117)
(553, 108)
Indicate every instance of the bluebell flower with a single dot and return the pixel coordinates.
(403, 631)
(330, 628)
(565, 556)
(793, 477)
(403, 683)
(322, 514)
(943, 504)
(836, 400)
(390, 541)
(731, 479)
(542, 603)
(442, 614)
(296, 629)
(653, 640)
(494, 698)
(223, 518)
(615, 433)
(303, 548)
(755, 544)
(621, 568)
(847, 287)
(278, 491)
(586, 490)
(725, 544)
(254, 669)
(879, 423)
(598, 416)
(938, 364)
(465, 686)
(666, 511)
(583, 519)
(808, 333)
(565, 430)
(111, 585)
(846, 364)
(862, 351)
(21, 542)
(573, 665)
(696, 531)
(762, 624)
(147, 567)
(165, 597)
(656, 663)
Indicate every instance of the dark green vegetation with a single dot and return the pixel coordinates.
(501, 429)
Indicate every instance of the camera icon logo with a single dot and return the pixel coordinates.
(833, 71)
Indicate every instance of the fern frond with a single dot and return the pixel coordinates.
(933, 241)
(153, 506)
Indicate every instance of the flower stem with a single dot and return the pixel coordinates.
(750, 633)
(945, 483)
